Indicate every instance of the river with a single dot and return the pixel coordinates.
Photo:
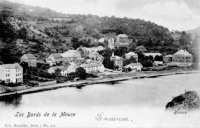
(142, 101)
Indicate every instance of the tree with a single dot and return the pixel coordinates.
(81, 73)
(108, 63)
(184, 39)
(106, 53)
(147, 63)
(129, 61)
(23, 33)
(75, 42)
(24, 65)
(141, 49)
(158, 58)
(7, 33)
(132, 47)
(120, 51)
(57, 72)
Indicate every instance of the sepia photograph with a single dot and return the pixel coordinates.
(99, 63)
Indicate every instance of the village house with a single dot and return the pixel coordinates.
(118, 61)
(54, 58)
(96, 56)
(11, 73)
(131, 54)
(141, 48)
(133, 67)
(64, 70)
(70, 68)
(71, 55)
(93, 67)
(167, 58)
(182, 58)
(79, 61)
(30, 59)
(122, 40)
(53, 69)
(101, 40)
(90, 50)
(158, 63)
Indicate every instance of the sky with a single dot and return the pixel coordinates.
(173, 14)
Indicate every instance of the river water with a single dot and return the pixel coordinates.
(142, 101)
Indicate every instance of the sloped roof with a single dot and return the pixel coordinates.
(116, 57)
(64, 59)
(79, 61)
(132, 65)
(183, 53)
(141, 48)
(11, 66)
(91, 65)
(29, 56)
(131, 54)
(56, 55)
(122, 35)
(102, 39)
(71, 53)
(169, 55)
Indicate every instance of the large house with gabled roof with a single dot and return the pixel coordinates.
(11, 73)
(182, 58)
(30, 59)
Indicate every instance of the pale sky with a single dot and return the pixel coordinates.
(173, 14)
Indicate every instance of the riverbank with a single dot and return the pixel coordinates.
(105, 79)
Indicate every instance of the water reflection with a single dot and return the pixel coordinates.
(11, 100)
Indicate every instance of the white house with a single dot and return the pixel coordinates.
(96, 56)
(133, 66)
(182, 58)
(71, 68)
(64, 70)
(93, 67)
(101, 40)
(131, 54)
(71, 55)
(158, 63)
(118, 61)
(122, 40)
(11, 73)
(54, 58)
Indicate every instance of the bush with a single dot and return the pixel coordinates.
(81, 73)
